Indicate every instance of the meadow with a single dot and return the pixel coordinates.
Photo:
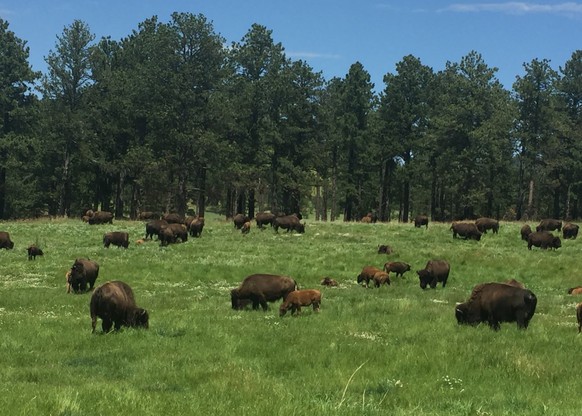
(395, 350)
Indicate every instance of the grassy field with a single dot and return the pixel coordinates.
(396, 350)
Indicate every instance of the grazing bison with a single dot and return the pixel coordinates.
(83, 272)
(466, 230)
(154, 227)
(148, 215)
(398, 267)
(384, 249)
(328, 281)
(289, 223)
(525, 232)
(483, 224)
(495, 303)
(101, 217)
(5, 241)
(262, 288)
(367, 274)
(117, 238)
(298, 298)
(196, 227)
(549, 224)
(575, 290)
(435, 271)
(421, 220)
(171, 232)
(173, 218)
(381, 278)
(34, 251)
(264, 218)
(579, 316)
(515, 283)
(543, 240)
(570, 231)
(246, 228)
(114, 303)
(239, 220)
(367, 219)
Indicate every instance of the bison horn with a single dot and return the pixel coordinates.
(459, 311)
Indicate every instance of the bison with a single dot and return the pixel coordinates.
(298, 298)
(575, 290)
(570, 231)
(543, 240)
(367, 274)
(117, 238)
(195, 228)
(154, 227)
(148, 215)
(239, 220)
(579, 316)
(466, 230)
(525, 232)
(495, 303)
(246, 228)
(5, 241)
(381, 278)
(171, 232)
(367, 219)
(549, 224)
(173, 218)
(33, 251)
(83, 272)
(289, 223)
(421, 220)
(435, 271)
(101, 217)
(264, 218)
(262, 288)
(397, 266)
(328, 281)
(483, 224)
(114, 303)
(384, 249)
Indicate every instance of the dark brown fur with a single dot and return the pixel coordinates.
(264, 218)
(5, 241)
(298, 298)
(525, 232)
(101, 217)
(34, 251)
(543, 240)
(117, 238)
(515, 283)
(154, 227)
(114, 303)
(262, 288)
(467, 230)
(83, 272)
(483, 224)
(384, 249)
(173, 218)
(421, 220)
(367, 274)
(579, 316)
(239, 220)
(397, 266)
(435, 271)
(549, 224)
(196, 227)
(570, 231)
(289, 223)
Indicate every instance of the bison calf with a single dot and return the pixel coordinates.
(384, 249)
(298, 298)
(114, 303)
(367, 274)
(34, 251)
(328, 281)
(381, 278)
(246, 228)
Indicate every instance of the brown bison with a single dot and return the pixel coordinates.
(543, 240)
(264, 218)
(483, 224)
(575, 290)
(435, 271)
(298, 298)
(5, 241)
(154, 227)
(83, 272)
(328, 281)
(384, 249)
(367, 274)
(579, 316)
(525, 232)
(101, 217)
(466, 230)
(173, 218)
(34, 251)
(114, 303)
(171, 232)
(239, 220)
(421, 220)
(570, 231)
(117, 238)
(398, 267)
(549, 224)
(289, 223)
(148, 215)
(381, 278)
(195, 228)
(495, 303)
(246, 228)
(262, 288)
(367, 219)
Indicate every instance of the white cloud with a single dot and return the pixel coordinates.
(312, 55)
(515, 7)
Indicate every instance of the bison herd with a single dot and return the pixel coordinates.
(492, 303)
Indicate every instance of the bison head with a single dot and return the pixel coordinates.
(234, 298)
(140, 318)
(424, 277)
(282, 309)
(464, 316)
(77, 278)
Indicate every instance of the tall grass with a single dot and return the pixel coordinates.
(394, 350)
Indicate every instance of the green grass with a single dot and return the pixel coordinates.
(395, 350)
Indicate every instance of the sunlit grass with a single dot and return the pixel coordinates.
(201, 357)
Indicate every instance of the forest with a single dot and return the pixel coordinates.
(175, 118)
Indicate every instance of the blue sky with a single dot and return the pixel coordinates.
(331, 35)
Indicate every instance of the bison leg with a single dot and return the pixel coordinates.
(93, 323)
(316, 306)
(493, 324)
(106, 325)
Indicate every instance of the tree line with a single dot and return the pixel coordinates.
(171, 118)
